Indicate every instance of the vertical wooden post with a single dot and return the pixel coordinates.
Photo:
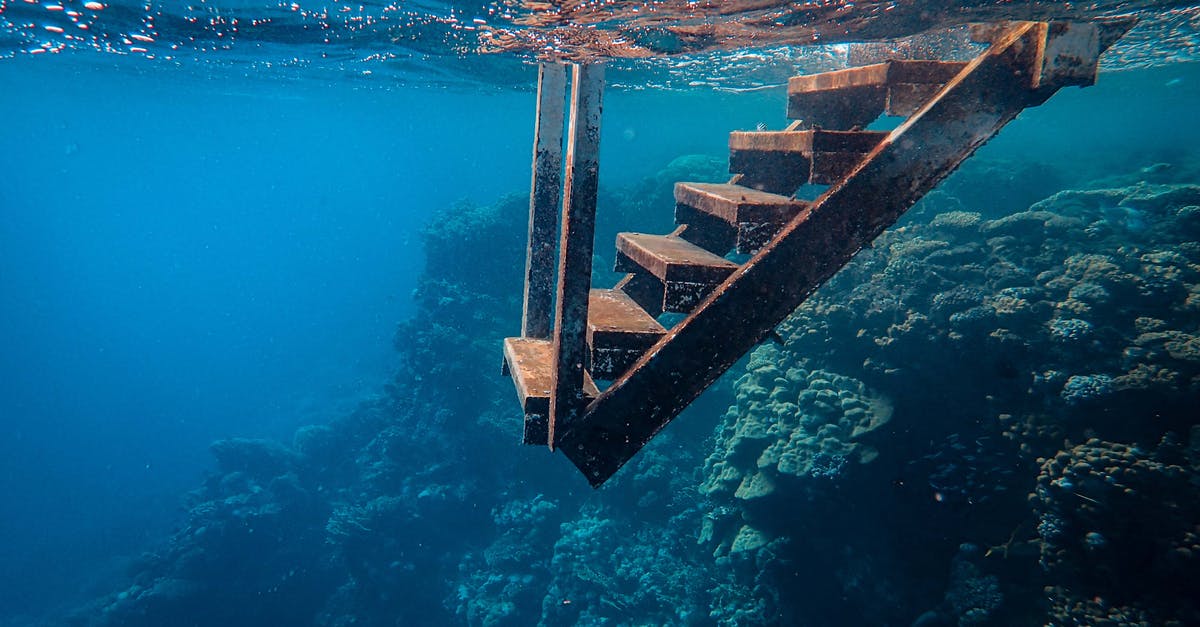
(544, 194)
(575, 245)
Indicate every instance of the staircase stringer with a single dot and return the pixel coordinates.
(987, 94)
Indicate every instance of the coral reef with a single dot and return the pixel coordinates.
(986, 419)
(382, 515)
(1070, 319)
(1119, 526)
(972, 597)
(335, 529)
(258, 505)
(791, 426)
(504, 584)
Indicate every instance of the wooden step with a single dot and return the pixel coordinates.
(618, 332)
(688, 273)
(913, 83)
(644, 289)
(805, 142)
(530, 362)
(853, 98)
(782, 161)
(721, 217)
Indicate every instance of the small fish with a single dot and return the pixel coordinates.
(762, 126)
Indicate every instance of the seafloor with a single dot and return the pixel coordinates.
(988, 418)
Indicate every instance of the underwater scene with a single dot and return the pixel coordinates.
(851, 313)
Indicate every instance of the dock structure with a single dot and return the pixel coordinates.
(951, 108)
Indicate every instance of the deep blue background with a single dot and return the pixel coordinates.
(183, 259)
(187, 257)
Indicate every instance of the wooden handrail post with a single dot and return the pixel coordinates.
(575, 245)
(544, 191)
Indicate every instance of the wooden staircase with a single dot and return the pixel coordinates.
(614, 335)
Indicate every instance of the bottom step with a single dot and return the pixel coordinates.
(531, 364)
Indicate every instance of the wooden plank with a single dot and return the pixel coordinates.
(807, 141)
(530, 361)
(923, 71)
(782, 161)
(890, 72)
(709, 232)
(687, 271)
(531, 365)
(836, 153)
(846, 141)
(545, 189)
(847, 107)
(736, 203)
(807, 252)
(854, 97)
(864, 76)
(575, 247)
(774, 171)
(1071, 55)
(782, 141)
(904, 99)
(913, 83)
(619, 331)
(615, 321)
(828, 168)
(843, 99)
(645, 290)
(1073, 49)
(672, 258)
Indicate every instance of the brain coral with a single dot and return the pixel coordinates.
(798, 424)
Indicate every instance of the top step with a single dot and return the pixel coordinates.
(853, 98)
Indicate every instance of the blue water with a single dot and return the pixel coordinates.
(190, 258)
(210, 250)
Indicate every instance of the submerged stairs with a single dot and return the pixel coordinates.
(795, 245)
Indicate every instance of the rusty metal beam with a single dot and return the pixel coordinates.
(575, 247)
(743, 310)
(544, 192)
